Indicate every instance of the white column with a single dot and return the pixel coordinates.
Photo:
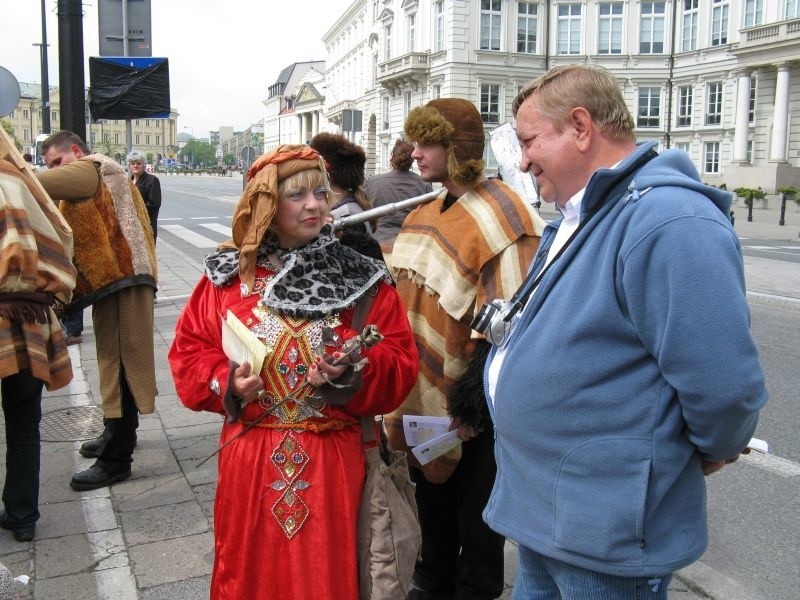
(742, 118)
(780, 116)
(301, 126)
(315, 122)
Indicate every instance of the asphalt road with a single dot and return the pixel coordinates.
(753, 506)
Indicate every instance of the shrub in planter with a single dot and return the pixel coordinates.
(791, 194)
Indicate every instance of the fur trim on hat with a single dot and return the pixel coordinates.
(455, 124)
(346, 159)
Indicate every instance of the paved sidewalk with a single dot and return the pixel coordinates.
(151, 537)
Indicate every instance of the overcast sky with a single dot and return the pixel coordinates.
(223, 54)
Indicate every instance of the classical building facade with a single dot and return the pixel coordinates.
(293, 109)
(154, 137)
(712, 77)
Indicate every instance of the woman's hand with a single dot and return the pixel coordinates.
(247, 385)
(321, 372)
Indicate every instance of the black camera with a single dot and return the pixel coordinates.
(494, 321)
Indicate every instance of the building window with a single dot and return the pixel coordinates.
(711, 157)
(792, 9)
(750, 151)
(651, 32)
(106, 138)
(138, 123)
(610, 28)
(751, 113)
(569, 29)
(490, 103)
(689, 28)
(438, 34)
(385, 103)
(138, 139)
(527, 23)
(411, 31)
(437, 91)
(147, 140)
(116, 139)
(407, 102)
(753, 13)
(158, 140)
(387, 42)
(147, 122)
(26, 135)
(94, 138)
(714, 104)
(54, 115)
(649, 100)
(685, 104)
(685, 146)
(719, 22)
(491, 21)
(25, 113)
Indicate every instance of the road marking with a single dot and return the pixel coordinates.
(767, 298)
(199, 218)
(223, 229)
(195, 239)
(774, 464)
(112, 572)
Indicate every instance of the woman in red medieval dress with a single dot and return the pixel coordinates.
(289, 488)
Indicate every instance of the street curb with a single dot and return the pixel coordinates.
(712, 584)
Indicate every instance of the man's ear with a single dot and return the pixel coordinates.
(583, 125)
(76, 150)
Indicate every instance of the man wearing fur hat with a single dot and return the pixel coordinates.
(116, 263)
(469, 246)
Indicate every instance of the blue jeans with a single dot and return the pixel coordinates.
(542, 578)
(72, 322)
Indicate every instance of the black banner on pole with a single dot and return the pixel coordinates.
(129, 88)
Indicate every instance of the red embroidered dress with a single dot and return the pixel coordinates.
(289, 489)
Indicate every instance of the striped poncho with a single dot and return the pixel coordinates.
(35, 249)
(447, 265)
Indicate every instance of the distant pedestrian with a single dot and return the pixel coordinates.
(35, 270)
(116, 262)
(398, 184)
(149, 187)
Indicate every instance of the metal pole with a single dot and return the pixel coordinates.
(128, 127)
(45, 78)
(750, 208)
(72, 93)
(783, 210)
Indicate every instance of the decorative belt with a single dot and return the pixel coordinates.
(26, 307)
(312, 426)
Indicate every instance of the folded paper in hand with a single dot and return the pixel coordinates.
(242, 345)
(429, 437)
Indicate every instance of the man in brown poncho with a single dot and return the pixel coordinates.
(35, 270)
(116, 263)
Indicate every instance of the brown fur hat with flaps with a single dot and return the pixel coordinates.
(346, 159)
(455, 124)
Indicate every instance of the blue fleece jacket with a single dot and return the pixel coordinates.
(631, 362)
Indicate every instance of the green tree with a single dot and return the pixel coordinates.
(10, 131)
(229, 159)
(197, 152)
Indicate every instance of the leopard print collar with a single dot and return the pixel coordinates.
(319, 278)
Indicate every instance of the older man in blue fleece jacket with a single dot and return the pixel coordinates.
(629, 371)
